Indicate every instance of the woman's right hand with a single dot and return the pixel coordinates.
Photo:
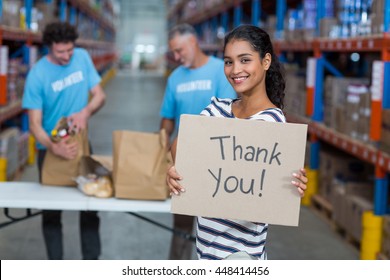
(173, 179)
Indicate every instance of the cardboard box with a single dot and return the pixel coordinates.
(386, 245)
(326, 25)
(249, 165)
(357, 206)
(386, 224)
(385, 132)
(338, 166)
(339, 214)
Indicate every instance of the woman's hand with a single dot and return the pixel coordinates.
(172, 179)
(301, 181)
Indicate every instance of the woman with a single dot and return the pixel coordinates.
(255, 73)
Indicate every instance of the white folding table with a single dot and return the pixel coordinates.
(30, 195)
(37, 196)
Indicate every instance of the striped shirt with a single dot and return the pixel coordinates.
(218, 238)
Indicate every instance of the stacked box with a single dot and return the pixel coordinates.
(336, 100)
(327, 25)
(339, 166)
(386, 236)
(384, 142)
(356, 206)
(46, 12)
(13, 75)
(339, 203)
(11, 12)
(352, 112)
(9, 149)
(363, 132)
(377, 16)
(350, 200)
(295, 98)
(357, 113)
(23, 148)
(270, 26)
(17, 73)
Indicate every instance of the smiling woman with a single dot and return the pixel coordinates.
(255, 73)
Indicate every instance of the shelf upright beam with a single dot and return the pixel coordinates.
(214, 24)
(256, 12)
(225, 21)
(29, 5)
(377, 91)
(63, 7)
(381, 192)
(72, 15)
(1, 10)
(237, 14)
(382, 100)
(315, 145)
(386, 17)
(214, 29)
(280, 13)
(333, 70)
(319, 15)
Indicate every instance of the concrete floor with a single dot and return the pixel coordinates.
(133, 103)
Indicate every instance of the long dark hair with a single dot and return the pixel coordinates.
(260, 42)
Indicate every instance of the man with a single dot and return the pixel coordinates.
(188, 91)
(58, 86)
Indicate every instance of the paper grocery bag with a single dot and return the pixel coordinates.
(140, 163)
(58, 171)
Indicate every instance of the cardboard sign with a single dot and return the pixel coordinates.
(239, 169)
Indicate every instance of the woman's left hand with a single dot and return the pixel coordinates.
(301, 181)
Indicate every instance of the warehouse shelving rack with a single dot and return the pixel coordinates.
(102, 51)
(219, 16)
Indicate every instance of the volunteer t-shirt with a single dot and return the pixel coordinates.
(189, 91)
(59, 90)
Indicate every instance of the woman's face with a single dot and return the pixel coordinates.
(244, 68)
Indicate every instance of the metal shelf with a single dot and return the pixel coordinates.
(363, 151)
(204, 15)
(211, 47)
(17, 34)
(175, 9)
(305, 46)
(10, 111)
(87, 9)
(103, 61)
(95, 44)
(345, 143)
(375, 43)
(360, 44)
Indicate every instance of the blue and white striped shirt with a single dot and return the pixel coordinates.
(218, 238)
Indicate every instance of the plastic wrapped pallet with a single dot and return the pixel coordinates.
(9, 149)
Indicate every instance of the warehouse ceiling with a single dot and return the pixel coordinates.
(142, 8)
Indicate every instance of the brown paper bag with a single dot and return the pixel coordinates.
(58, 171)
(140, 164)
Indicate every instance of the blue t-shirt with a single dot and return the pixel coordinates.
(59, 90)
(189, 91)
